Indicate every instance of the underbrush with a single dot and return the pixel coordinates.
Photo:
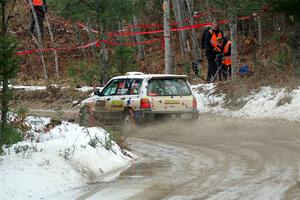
(16, 130)
(83, 73)
(111, 137)
(55, 95)
(274, 68)
(9, 136)
(241, 87)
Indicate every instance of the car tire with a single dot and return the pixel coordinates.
(195, 116)
(128, 120)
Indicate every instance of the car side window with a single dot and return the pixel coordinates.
(111, 88)
(136, 86)
(123, 87)
(117, 87)
(154, 89)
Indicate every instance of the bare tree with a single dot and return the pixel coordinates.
(39, 41)
(169, 68)
(208, 6)
(79, 40)
(234, 49)
(104, 59)
(296, 49)
(53, 45)
(259, 27)
(138, 38)
(178, 8)
(196, 50)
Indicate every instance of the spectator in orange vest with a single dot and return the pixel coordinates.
(211, 46)
(40, 8)
(226, 48)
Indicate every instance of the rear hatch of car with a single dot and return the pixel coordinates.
(170, 94)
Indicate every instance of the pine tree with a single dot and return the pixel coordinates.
(8, 71)
(8, 63)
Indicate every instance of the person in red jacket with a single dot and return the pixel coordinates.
(40, 8)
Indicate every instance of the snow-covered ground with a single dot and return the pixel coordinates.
(266, 103)
(59, 160)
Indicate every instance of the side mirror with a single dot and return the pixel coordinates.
(97, 92)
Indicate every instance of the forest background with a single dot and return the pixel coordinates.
(264, 38)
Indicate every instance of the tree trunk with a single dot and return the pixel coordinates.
(296, 49)
(209, 11)
(3, 19)
(234, 50)
(138, 38)
(177, 8)
(103, 58)
(79, 41)
(243, 28)
(254, 57)
(259, 28)
(195, 43)
(91, 37)
(5, 68)
(169, 69)
(54, 46)
(4, 103)
(39, 42)
(104, 63)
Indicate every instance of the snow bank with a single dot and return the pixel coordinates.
(29, 88)
(266, 103)
(66, 157)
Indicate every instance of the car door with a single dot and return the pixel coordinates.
(127, 95)
(118, 98)
(107, 95)
(121, 93)
(132, 100)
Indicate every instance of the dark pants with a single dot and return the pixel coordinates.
(40, 13)
(226, 72)
(212, 65)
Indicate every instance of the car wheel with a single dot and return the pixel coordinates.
(128, 120)
(195, 116)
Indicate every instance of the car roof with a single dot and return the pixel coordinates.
(142, 76)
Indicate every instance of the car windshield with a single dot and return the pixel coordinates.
(168, 87)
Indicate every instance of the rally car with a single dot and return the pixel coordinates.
(136, 98)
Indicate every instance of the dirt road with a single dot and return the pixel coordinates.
(213, 158)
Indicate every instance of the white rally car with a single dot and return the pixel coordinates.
(137, 97)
